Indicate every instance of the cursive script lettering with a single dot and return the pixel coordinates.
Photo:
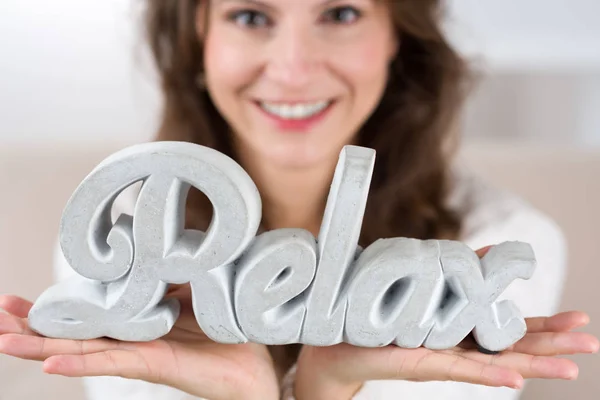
(282, 286)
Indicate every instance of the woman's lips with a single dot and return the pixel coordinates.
(295, 116)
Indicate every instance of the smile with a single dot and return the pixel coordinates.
(296, 111)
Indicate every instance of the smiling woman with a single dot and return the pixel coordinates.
(290, 78)
(281, 86)
(289, 83)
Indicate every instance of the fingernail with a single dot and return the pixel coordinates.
(573, 374)
(586, 319)
(50, 366)
(518, 384)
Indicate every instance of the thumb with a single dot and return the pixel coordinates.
(483, 251)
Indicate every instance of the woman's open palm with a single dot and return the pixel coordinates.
(534, 356)
(185, 359)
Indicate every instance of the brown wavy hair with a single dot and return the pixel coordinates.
(411, 129)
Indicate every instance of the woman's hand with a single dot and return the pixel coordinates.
(184, 359)
(338, 372)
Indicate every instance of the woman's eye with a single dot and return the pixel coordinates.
(342, 15)
(250, 18)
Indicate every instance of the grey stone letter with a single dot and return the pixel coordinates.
(394, 294)
(476, 286)
(128, 266)
(271, 279)
(337, 241)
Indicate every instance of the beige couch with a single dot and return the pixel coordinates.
(36, 183)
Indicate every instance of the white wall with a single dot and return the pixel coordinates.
(68, 72)
(530, 34)
(541, 107)
(542, 59)
(68, 68)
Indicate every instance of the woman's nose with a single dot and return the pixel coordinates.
(294, 57)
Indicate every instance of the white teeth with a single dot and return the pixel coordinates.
(295, 111)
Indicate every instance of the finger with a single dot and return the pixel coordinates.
(12, 324)
(433, 366)
(174, 289)
(123, 363)
(556, 343)
(483, 251)
(40, 348)
(529, 366)
(562, 322)
(188, 323)
(15, 305)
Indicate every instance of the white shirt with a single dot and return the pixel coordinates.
(490, 216)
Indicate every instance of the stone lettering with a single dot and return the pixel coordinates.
(338, 239)
(395, 293)
(280, 287)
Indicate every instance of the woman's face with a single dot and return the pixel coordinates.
(295, 79)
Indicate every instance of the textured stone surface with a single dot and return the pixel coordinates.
(279, 267)
(283, 286)
(338, 241)
(395, 293)
(123, 300)
(478, 283)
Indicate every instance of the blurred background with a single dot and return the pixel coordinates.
(75, 85)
